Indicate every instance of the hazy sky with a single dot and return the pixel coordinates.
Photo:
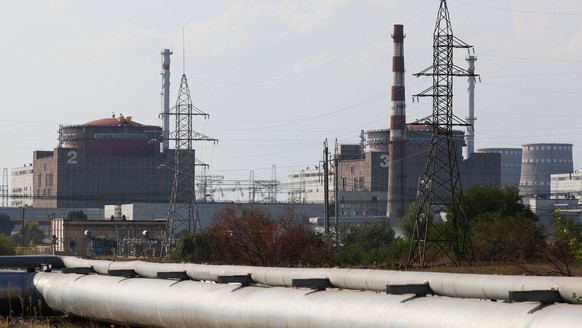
(278, 77)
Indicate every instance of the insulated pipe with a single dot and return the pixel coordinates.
(17, 295)
(30, 261)
(167, 303)
(479, 286)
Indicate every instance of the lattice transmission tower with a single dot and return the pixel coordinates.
(183, 210)
(440, 190)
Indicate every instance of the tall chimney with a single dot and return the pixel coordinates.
(166, 98)
(470, 138)
(397, 148)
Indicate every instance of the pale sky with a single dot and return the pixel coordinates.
(278, 77)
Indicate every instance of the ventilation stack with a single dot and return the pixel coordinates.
(396, 176)
(166, 99)
(470, 138)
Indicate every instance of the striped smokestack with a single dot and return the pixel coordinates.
(396, 176)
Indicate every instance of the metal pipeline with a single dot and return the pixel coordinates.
(357, 301)
(168, 303)
(30, 261)
(477, 286)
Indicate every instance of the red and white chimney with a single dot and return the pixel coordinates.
(397, 145)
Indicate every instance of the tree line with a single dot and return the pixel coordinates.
(502, 229)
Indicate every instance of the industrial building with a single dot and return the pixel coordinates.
(380, 176)
(99, 237)
(305, 186)
(539, 161)
(363, 171)
(107, 161)
(21, 186)
(566, 186)
(363, 181)
(510, 164)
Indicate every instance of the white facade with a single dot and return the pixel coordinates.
(566, 186)
(21, 181)
(306, 186)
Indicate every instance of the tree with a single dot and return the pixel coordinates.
(408, 220)
(506, 238)
(506, 201)
(563, 247)
(193, 248)
(76, 215)
(6, 224)
(6, 246)
(33, 234)
(502, 227)
(366, 243)
(252, 237)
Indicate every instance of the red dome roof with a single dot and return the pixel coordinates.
(114, 121)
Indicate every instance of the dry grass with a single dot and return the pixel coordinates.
(52, 322)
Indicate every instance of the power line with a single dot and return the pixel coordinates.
(531, 89)
(382, 37)
(525, 11)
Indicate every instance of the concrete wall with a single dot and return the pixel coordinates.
(71, 178)
(206, 211)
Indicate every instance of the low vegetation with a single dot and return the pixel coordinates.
(505, 235)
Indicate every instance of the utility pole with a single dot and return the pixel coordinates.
(335, 185)
(4, 188)
(22, 229)
(326, 187)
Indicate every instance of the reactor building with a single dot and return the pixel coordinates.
(113, 160)
(510, 164)
(539, 161)
(363, 175)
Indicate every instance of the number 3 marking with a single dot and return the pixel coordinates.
(384, 158)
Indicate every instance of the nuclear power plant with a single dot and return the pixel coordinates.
(118, 161)
(106, 161)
